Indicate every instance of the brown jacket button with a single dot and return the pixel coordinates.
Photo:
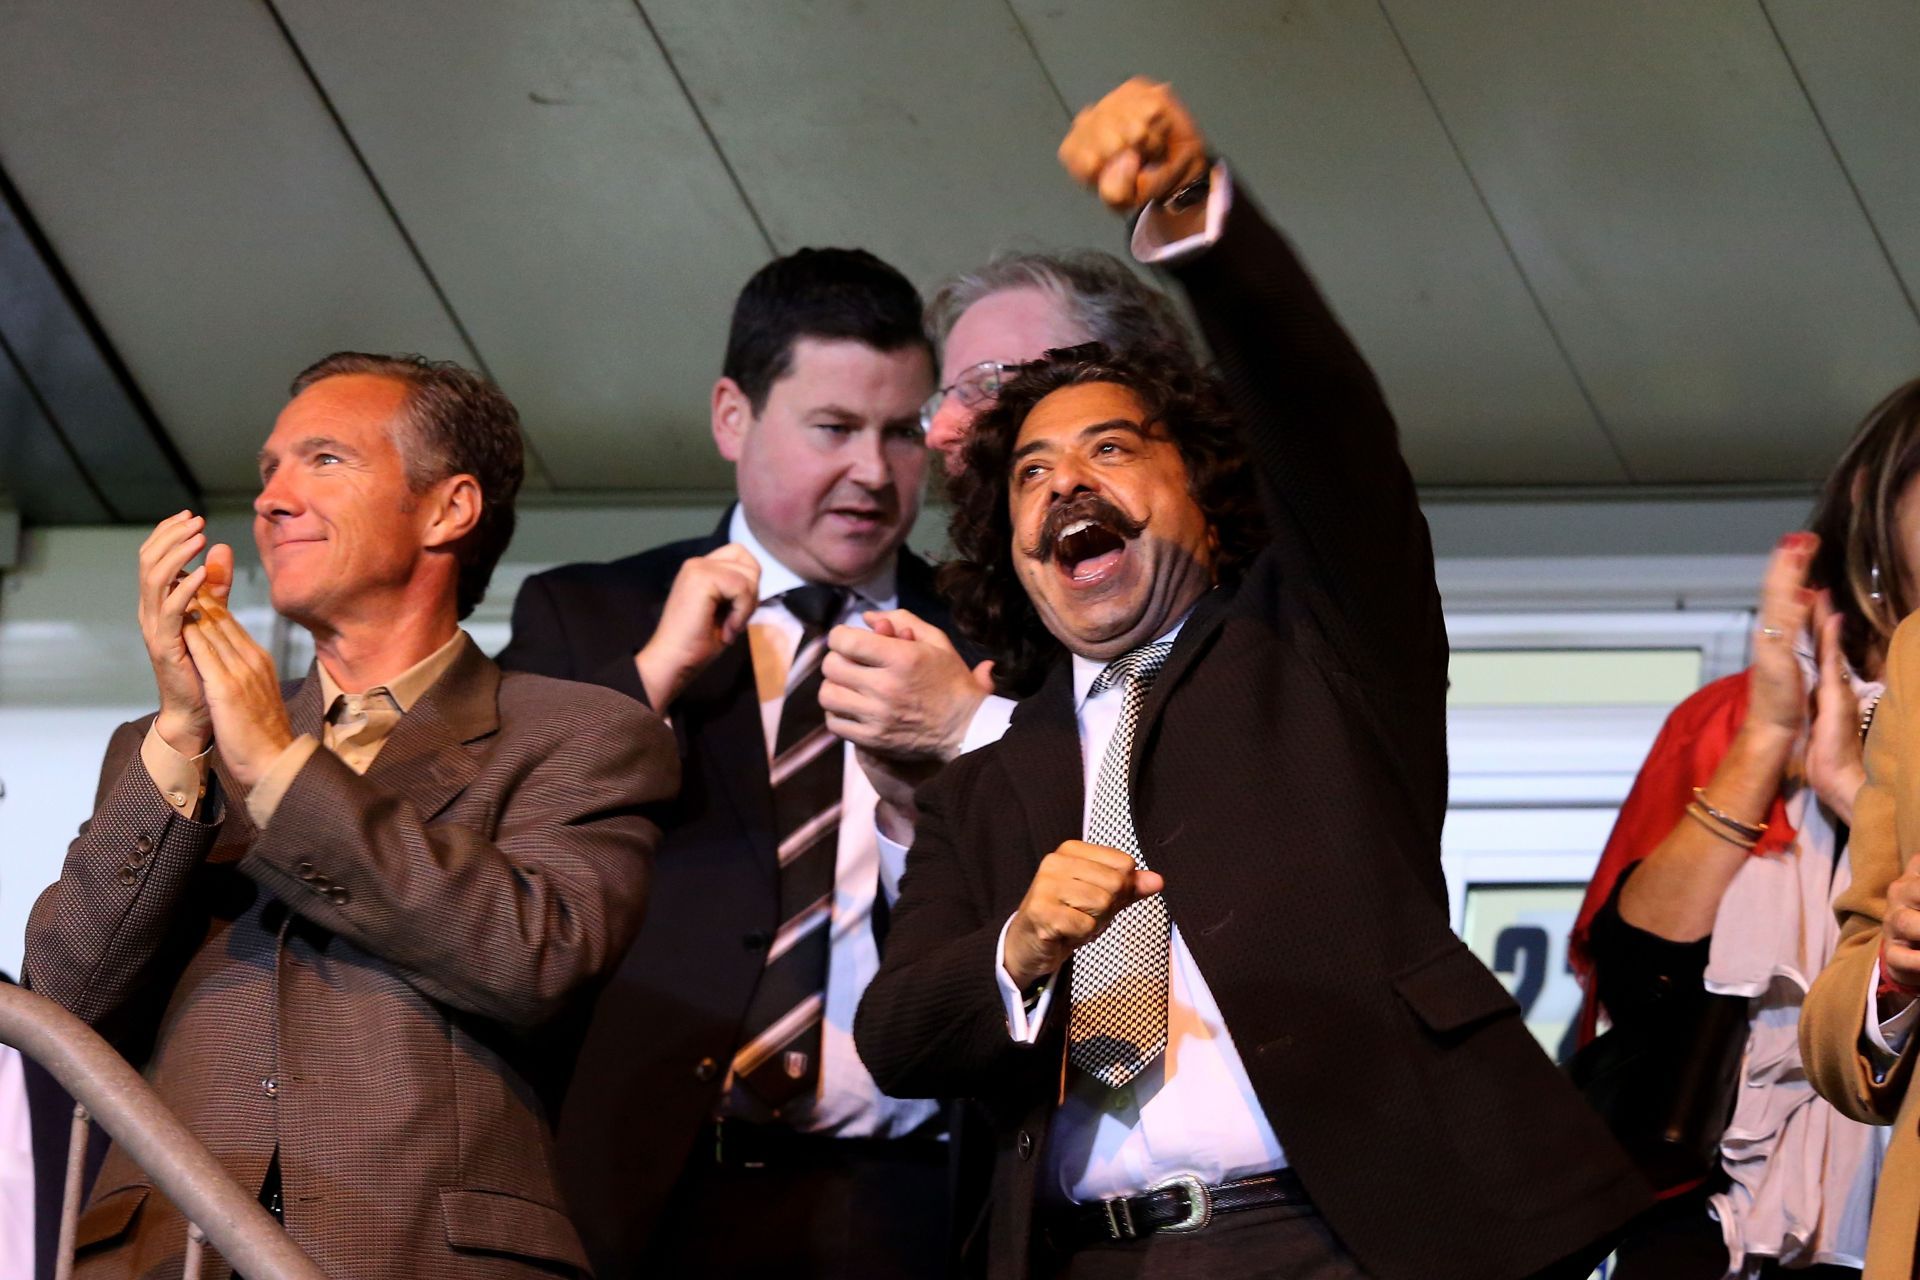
(705, 1069)
(338, 895)
(144, 843)
(129, 874)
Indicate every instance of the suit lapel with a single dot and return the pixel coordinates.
(423, 758)
(722, 710)
(1202, 625)
(1042, 755)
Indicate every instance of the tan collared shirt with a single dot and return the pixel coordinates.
(355, 728)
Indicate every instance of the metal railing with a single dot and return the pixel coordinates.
(109, 1090)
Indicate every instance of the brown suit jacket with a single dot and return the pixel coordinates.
(363, 984)
(1886, 832)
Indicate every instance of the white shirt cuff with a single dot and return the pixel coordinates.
(1023, 1024)
(1888, 1038)
(1152, 240)
(989, 723)
(893, 864)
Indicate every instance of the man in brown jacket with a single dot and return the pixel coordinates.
(330, 918)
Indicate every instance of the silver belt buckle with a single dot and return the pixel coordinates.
(1119, 1219)
(1199, 1203)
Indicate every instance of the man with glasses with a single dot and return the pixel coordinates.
(898, 689)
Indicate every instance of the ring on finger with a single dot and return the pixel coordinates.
(1773, 633)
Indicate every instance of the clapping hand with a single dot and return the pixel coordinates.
(243, 698)
(1835, 764)
(168, 590)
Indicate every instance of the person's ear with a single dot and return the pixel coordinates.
(732, 415)
(457, 505)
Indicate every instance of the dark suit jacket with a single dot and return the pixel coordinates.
(668, 1024)
(1290, 781)
(362, 984)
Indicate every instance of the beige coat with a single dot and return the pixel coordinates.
(1886, 831)
(362, 985)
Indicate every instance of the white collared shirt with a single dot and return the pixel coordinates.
(850, 1105)
(1193, 1110)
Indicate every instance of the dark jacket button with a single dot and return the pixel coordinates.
(339, 896)
(756, 939)
(144, 843)
(304, 870)
(129, 874)
(705, 1069)
(1024, 1145)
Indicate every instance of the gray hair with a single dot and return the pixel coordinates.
(1112, 303)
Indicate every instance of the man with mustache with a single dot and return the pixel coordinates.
(720, 1122)
(1183, 930)
(331, 920)
(897, 688)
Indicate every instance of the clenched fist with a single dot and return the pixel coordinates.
(1135, 146)
(1077, 891)
(712, 600)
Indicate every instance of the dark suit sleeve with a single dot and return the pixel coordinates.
(1322, 439)
(503, 924)
(932, 1024)
(539, 641)
(560, 629)
(93, 934)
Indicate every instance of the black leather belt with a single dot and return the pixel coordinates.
(1176, 1205)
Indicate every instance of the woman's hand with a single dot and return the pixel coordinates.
(1835, 765)
(1777, 692)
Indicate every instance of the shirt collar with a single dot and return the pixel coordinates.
(776, 579)
(407, 687)
(1087, 670)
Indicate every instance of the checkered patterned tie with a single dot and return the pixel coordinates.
(779, 1056)
(1118, 1021)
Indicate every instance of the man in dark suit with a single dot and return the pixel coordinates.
(329, 918)
(1183, 929)
(719, 1121)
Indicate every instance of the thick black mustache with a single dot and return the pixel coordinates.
(1091, 507)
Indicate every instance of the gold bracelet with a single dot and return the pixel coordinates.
(1698, 813)
(1747, 829)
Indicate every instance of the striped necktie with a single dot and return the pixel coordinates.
(1118, 1020)
(779, 1057)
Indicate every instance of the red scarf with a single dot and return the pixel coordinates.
(1689, 749)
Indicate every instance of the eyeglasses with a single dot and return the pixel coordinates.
(976, 386)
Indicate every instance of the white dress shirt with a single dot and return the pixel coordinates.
(850, 1105)
(1193, 1110)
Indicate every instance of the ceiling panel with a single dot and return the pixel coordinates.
(1315, 106)
(561, 189)
(923, 130)
(1670, 195)
(207, 208)
(38, 476)
(77, 390)
(1861, 64)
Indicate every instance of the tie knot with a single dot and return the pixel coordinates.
(1141, 664)
(816, 606)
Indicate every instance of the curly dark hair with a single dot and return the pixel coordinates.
(988, 600)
